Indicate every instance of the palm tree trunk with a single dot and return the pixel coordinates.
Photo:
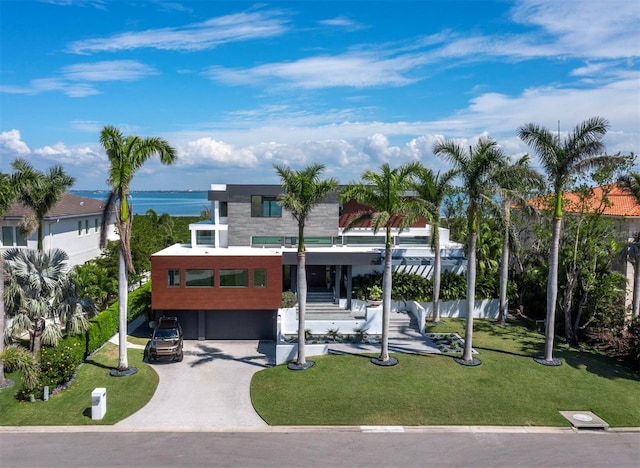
(467, 354)
(123, 292)
(552, 290)
(504, 267)
(436, 275)
(636, 289)
(302, 306)
(386, 303)
(40, 236)
(2, 380)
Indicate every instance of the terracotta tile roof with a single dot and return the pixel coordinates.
(621, 201)
(69, 205)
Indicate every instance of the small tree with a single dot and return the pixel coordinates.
(40, 297)
(41, 191)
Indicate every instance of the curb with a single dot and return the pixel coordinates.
(313, 429)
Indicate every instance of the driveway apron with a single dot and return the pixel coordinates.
(210, 387)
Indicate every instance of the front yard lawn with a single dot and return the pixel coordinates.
(125, 395)
(509, 388)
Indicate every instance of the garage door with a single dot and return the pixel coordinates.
(240, 325)
(188, 320)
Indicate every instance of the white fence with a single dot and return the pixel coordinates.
(485, 308)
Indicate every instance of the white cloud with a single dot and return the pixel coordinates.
(61, 154)
(342, 22)
(207, 150)
(351, 69)
(110, 70)
(11, 143)
(192, 37)
(75, 80)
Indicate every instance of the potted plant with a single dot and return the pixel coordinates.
(374, 295)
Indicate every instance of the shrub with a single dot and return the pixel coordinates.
(57, 365)
(289, 299)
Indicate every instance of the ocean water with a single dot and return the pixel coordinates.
(172, 203)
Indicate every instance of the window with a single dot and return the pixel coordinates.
(205, 238)
(259, 278)
(95, 224)
(224, 209)
(173, 278)
(234, 278)
(79, 228)
(13, 236)
(365, 240)
(413, 240)
(266, 240)
(86, 226)
(265, 207)
(198, 278)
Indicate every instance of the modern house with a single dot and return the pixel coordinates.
(617, 204)
(228, 282)
(72, 225)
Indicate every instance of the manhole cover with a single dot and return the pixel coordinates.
(582, 417)
(584, 420)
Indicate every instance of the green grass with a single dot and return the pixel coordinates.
(125, 395)
(509, 388)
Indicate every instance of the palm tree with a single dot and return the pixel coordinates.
(631, 253)
(8, 194)
(631, 182)
(126, 156)
(10, 186)
(562, 159)
(477, 169)
(42, 192)
(514, 182)
(303, 191)
(163, 222)
(431, 190)
(39, 297)
(385, 193)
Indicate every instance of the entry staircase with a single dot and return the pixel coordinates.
(321, 306)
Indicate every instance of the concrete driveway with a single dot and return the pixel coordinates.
(210, 387)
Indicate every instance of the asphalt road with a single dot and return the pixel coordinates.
(302, 447)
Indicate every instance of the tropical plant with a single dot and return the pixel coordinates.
(632, 183)
(40, 297)
(630, 252)
(477, 168)
(519, 179)
(16, 358)
(8, 193)
(303, 191)
(162, 223)
(385, 195)
(562, 159)
(126, 155)
(431, 190)
(41, 191)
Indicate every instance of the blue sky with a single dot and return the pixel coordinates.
(238, 86)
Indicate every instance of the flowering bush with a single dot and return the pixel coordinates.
(57, 365)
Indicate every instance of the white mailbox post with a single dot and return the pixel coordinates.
(98, 403)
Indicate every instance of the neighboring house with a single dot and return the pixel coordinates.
(72, 225)
(228, 282)
(621, 206)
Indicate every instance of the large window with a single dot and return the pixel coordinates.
(234, 278)
(260, 278)
(173, 278)
(265, 207)
(205, 238)
(198, 278)
(13, 236)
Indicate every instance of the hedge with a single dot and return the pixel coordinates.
(58, 364)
